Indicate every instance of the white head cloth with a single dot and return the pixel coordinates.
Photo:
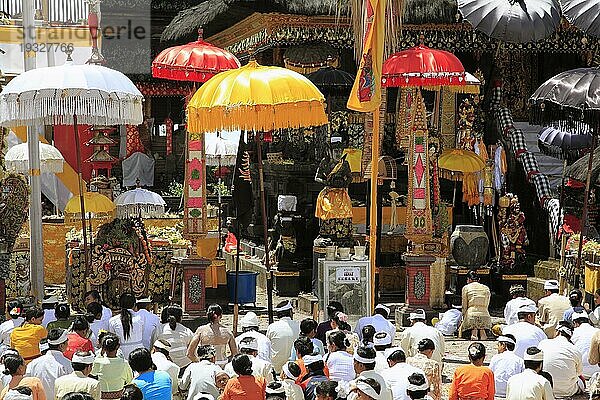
(363, 360)
(505, 339)
(367, 389)
(63, 338)
(89, 359)
(285, 307)
(534, 357)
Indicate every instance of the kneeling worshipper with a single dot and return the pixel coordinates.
(290, 372)
(582, 339)
(260, 368)
(525, 331)
(79, 380)
(506, 363)
(529, 384)
(244, 386)
(475, 301)
(365, 389)
(473, 381)
(552, 307)
(518, 294)
(364, 366)
(432, 368)
(200, 377)
(451, 319)
(19, 393)
(417, 387)
(419, 331)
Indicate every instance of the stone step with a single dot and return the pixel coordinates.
(535, 288)
(547, 269)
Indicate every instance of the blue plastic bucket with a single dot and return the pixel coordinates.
(246, 287)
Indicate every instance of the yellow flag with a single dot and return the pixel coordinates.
(366, 92)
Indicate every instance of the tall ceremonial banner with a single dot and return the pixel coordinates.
(419, 224)
(366, 92)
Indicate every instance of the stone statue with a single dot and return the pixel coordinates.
(334, 207)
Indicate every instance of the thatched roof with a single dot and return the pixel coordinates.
(230, 12)
(579, 169)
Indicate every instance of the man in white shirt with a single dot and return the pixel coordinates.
(529, 385)
(92, 296)
(582, 339)
(379, 320)
(451, 319)
(563, 362)
(200, 377)
(53, 364)
(505, 364)
(364, 366)
(518, 299)
(160, 358)
(15, 308)
(396, 376)
(249, 324)
(412, 336)
(151, 320)
(552, 307)
(282, 334)
(48, 305)
(260, 368)
(79, 380)
(525, 331)
(382, 342)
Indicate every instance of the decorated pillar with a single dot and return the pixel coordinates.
(194, 286)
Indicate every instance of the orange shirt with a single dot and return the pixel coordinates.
(77, 343)
(472, 383)
(26, 340)
(304, 371)
(35, 384)
(245, 388)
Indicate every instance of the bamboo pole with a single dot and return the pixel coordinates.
(373, 206)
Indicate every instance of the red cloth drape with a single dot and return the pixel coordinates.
(63, 141)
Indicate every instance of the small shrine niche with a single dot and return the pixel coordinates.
(101, 160)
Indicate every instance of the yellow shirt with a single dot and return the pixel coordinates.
(26, 340)
(112, 373)
(76, 382)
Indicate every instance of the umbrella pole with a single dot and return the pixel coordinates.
(219, 212)
(236, 309)
(584, 225)
(558, 233)
(263, 205)
(81, 199)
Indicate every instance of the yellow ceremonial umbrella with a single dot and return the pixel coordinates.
(260, 99)
(455, 164)
(96, 204)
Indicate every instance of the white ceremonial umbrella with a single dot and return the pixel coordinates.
(70, 94)
(139, 203)
(17, 159)
(221, 149)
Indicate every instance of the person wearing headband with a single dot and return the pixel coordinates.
(418, 331)
(244, 386)
(381, 342)
(14, 309)
(53, 364)
(275, 391)
(506, 363)
(451, 319)
(365, 389)
(316, 375)
(418, 387)
(155, 385)
(327, 390)
(529, 384)
(562, 360)
(552, 307)
(15, 368)
(583, 333)
(396, 376)
(364, 366)
(249, 324)
(201, 376)
(526, 333)
(325, 326)
(519, 298)
(79, 380)
(213, 333)
(260, 368)
(162, 360)
(432, 369)
(26, 338)
(379, 320)
(475, 302)
(290, 372)
(282, 334)
(473, 381)
(112, 371)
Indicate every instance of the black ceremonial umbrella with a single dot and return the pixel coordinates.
(584, 14)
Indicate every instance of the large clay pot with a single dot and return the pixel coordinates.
(469, 244)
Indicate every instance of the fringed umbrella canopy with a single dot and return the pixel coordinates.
(422, 66)
(569, 100)
(579, 169)
(515, 21)
(463, 161)
(53, 95)
(256, 98)
(561, 144)
(331, 78)
(308, 58)
(221, 149)
(584, 14)
(140, 203)
(17, 159)
(196, 61)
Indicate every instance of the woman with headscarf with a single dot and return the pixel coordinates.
(245, 386)
(473, 381)
(213, 333)
(128, 326)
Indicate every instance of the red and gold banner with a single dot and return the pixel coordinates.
(366, 92)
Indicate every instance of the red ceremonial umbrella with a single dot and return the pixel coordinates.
(422, 66)
(196, 61)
